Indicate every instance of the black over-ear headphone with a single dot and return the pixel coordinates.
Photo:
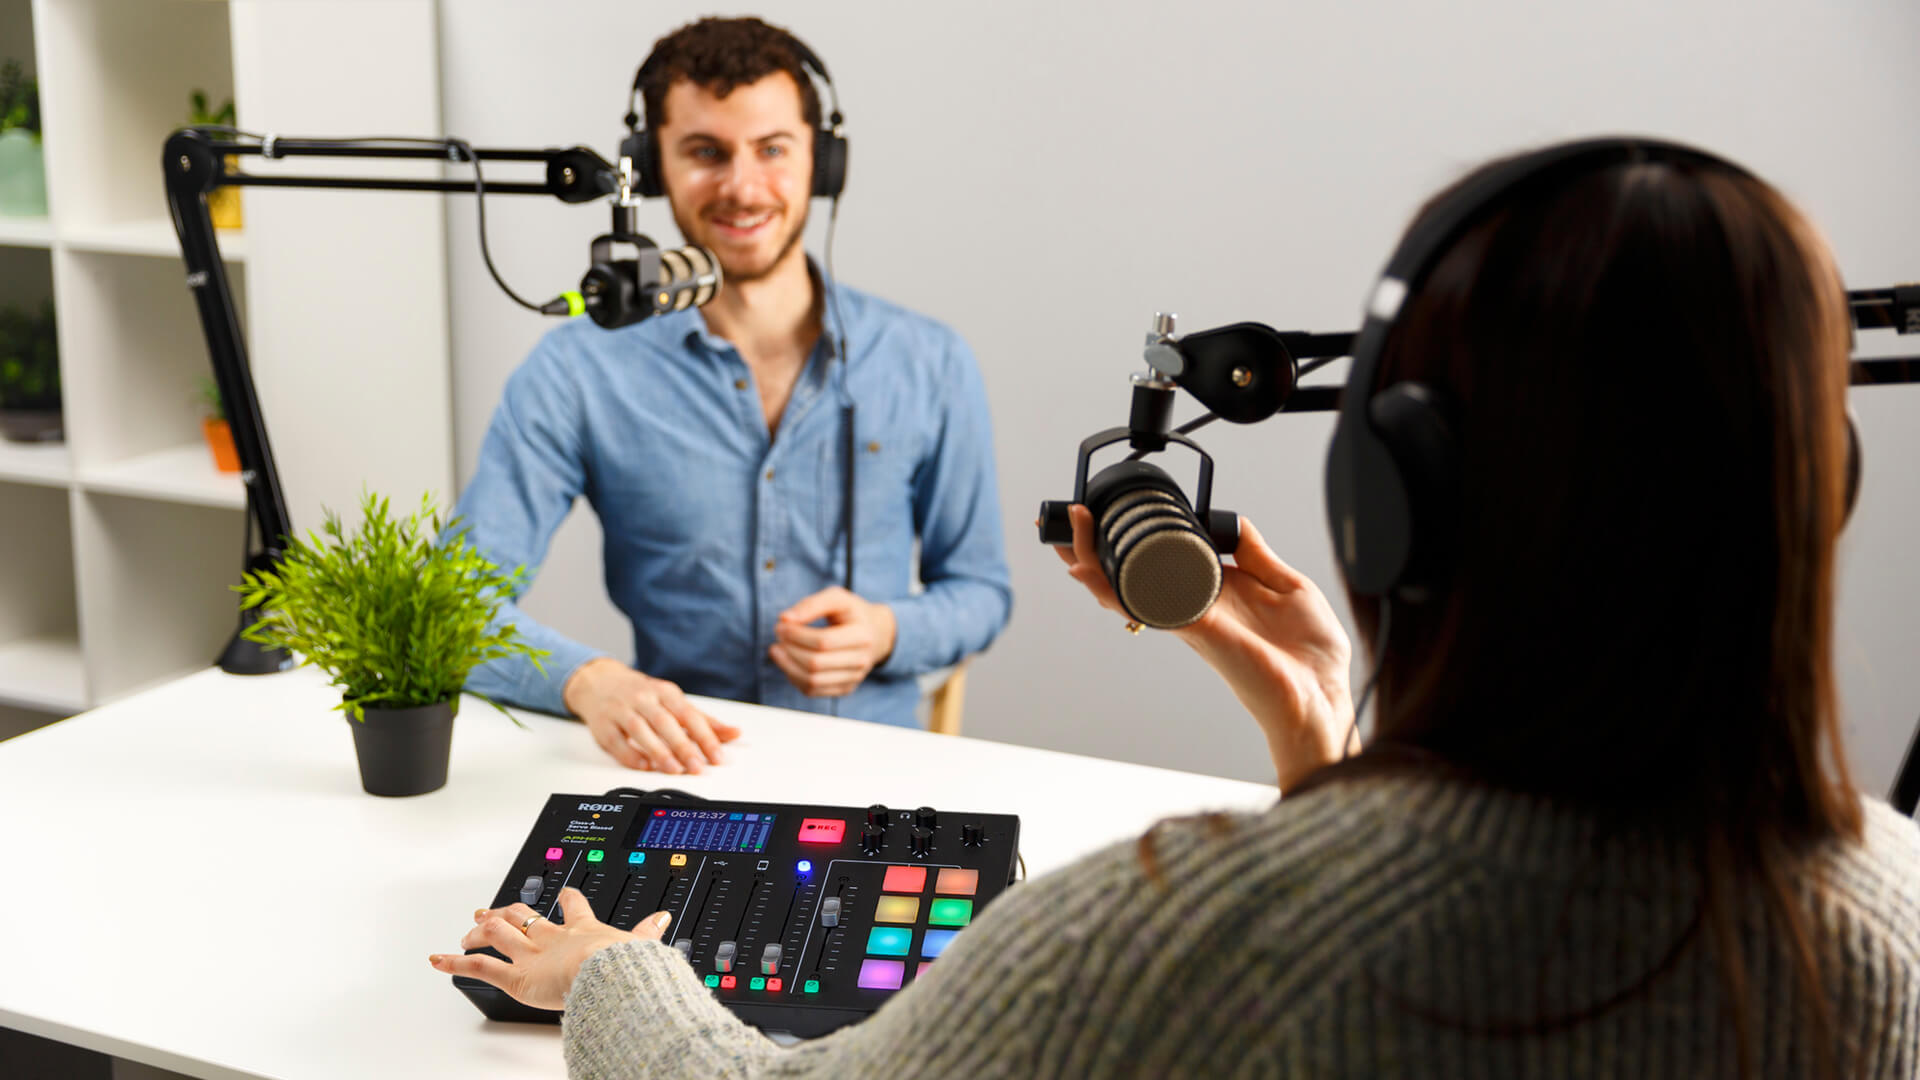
(829, 144)
(1393, 465)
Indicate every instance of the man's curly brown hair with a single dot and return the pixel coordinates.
(719, 55)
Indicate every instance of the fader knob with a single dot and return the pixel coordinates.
(723, 956)
(920, 841)
(830, 911)
(770, 959)
(972, 835)
(925, 817)
(871, 839)
(877, 816)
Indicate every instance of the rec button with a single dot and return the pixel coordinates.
(815, 830)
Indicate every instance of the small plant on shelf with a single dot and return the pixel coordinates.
(214, 426)
(223, 203)
(29, 375)
(397, 613)
(19, 101)
(23, 178)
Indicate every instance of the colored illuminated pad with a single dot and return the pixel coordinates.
(905, 879)
(888, 941)
(635, 858)
(727, 982)
(935, 942)
(595, 855)
(554, 854)
(758, 983)
(957, 882)
(899, 909)
(774, 985)
(882, 974)
(950, 913)
(713, 980)
(812, 986)
(822, 830)
(679, 859)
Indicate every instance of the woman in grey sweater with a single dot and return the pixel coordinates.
(1604, 826)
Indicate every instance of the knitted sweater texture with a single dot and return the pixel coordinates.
(1385, 928)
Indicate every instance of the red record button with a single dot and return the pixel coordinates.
(822, 830)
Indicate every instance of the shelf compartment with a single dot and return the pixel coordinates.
(44, 674)
(155, 597)
(39, 644)
(131, 336)
(116, 80)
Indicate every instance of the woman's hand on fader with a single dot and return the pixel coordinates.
(546, 955)
(1272, 636)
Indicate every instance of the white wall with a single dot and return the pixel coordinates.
(1045, 176)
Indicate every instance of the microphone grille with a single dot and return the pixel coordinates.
(1169, 578)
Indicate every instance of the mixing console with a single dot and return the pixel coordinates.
(799, 918)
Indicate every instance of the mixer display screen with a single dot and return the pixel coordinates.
(706, 830)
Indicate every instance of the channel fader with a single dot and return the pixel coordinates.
(799, 918)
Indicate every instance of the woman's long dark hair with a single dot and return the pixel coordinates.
(1647, 368)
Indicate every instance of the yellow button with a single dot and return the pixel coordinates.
(679, 859)
(769, 564)
(897, 909)
(873, 448)
(769, 474)
(739, 384)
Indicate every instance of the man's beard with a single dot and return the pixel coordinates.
(729, 274)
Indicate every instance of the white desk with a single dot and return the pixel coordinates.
(193, 878)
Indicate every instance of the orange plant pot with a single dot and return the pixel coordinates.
(220, 441)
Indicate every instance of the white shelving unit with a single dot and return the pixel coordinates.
(118, 546)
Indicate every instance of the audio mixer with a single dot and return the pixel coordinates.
(799, 918)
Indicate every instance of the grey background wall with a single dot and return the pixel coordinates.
(1045, 176)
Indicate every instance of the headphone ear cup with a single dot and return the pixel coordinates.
(646, 165)
(829, 163)
(1414, 422)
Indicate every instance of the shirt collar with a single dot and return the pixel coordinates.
(689, 326)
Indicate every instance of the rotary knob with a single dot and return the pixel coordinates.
(877, 816)
(925, 817)
(871, 839)
(972, 835)
(920, 841)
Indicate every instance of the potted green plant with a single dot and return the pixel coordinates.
(29, 375)
(23, 176)
(223, 203)
(397, 612)
(214, 426)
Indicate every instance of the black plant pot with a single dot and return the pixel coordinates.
(404, 751)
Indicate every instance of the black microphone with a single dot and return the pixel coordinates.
(620, 292)
(1152, 546)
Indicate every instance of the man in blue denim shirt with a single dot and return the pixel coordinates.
(712, 443)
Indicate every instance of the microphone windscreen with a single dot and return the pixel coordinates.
(1162, 565)
(690, 276)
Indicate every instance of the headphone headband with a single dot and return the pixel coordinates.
(1441, 227)
(808, 61)
(1393, 446)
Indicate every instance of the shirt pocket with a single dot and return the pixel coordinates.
(886, 464)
